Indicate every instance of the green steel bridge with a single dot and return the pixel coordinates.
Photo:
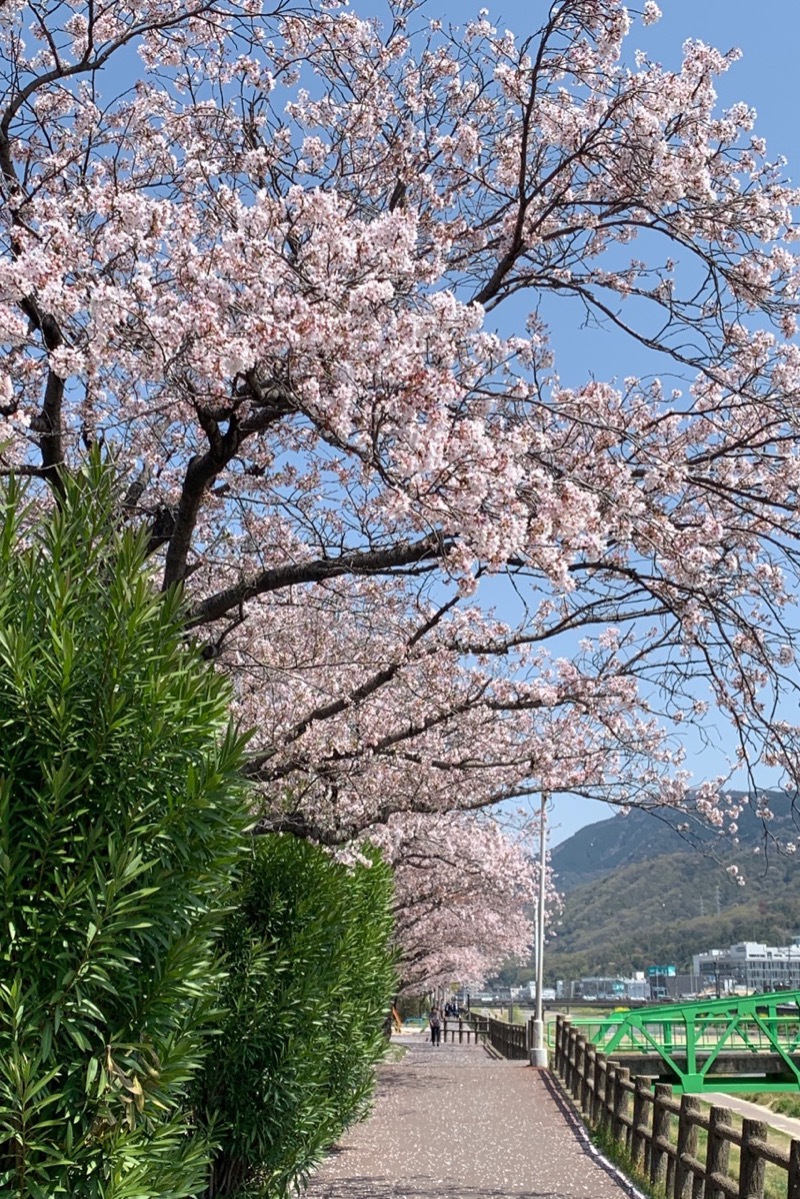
(739, 1043)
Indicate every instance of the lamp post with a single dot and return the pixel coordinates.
(538, 1053)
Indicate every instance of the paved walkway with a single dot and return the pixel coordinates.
(451, 1122)
(754, 1111)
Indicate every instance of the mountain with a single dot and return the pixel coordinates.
(637, 891)
(641, 834)
(598, 849)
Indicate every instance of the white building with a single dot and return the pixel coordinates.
(750, 965)
(613, 988)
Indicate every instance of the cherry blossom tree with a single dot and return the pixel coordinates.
(296, 269)
(464, 898)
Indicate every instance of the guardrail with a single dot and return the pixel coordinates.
(470, 1029)
(510, 1040)
(640, 1121)
(673, 1033)
(700, 1040)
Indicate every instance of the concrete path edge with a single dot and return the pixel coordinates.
(567, 1108)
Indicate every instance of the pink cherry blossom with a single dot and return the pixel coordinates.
(282, 274)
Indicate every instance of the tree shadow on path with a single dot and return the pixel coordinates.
(426, 1188)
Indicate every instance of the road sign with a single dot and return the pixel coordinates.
(660, 971)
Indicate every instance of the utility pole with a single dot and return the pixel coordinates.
(538, 1053)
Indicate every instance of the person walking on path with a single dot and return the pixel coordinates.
(435, 1023)
(500, 1130)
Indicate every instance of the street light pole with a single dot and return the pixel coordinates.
(538, 1055)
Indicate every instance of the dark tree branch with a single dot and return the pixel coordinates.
(430, 549)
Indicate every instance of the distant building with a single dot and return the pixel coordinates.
(609, 987)
(749, 966)
(548, 993)
(662, 981)
(668, 984)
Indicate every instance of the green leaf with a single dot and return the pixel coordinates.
(121, 827)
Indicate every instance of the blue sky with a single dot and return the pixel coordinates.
(766, 78)
(768, 33)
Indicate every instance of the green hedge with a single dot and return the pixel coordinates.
(310, 982)
(121, 817)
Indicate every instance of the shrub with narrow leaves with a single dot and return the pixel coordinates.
(310, 983)
(121, 819)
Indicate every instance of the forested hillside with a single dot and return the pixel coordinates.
(636, 892)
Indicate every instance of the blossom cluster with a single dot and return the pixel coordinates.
(281, 277)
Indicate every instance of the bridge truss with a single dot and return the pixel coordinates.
(739, 1043)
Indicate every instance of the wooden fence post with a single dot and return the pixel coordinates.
(638, 1140)
(566, 1052)
(580, 1065)
(718, 1151)
(619, 1128)
(794, 1171)
(608, 1096)
(687, 1145)
(570, 1062)
(590, 1077)
(557, 1054)
(751, 1166)
(597, 1086)
(589, 1056)
(669, 1181)
(660, 1133)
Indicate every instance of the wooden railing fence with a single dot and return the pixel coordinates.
(510, 1040)
(465, 1029)
(639, 1119)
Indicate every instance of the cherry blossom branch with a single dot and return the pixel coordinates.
(427, 549)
